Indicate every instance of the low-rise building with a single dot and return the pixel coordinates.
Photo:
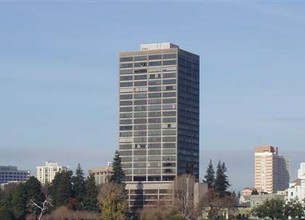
(46, 174)
(101, 174)
(12, 174)
(296, 188)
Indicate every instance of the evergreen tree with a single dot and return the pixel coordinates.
(33, 192)
(221, 181)
(19, 202)
(78, 186)
(118, 173)
(90, 202)
(61, 188)
(210, 176)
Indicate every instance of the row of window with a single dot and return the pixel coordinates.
(148, 95)
(149, 145)
(147, 114)
(150, 152)
(148, 70)
(149, 57)
(148, 158)
(148, 108)
(150, 101)
(145, 83)
(151, 77)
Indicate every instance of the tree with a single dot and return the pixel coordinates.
(90, 201)
(294, 209)
(61, 188)
(184, 196)
(272, 208)
(33, 194)
(221, 181)
(210, 176)
(19, 202)
(118, 173)
(78, 186)
(43, 208)
(113, 201)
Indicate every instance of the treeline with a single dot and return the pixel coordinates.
(67, 197)
(31, 200)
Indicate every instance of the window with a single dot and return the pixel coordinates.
(140, 83)
(140, 58)
(154, 57)
(155, 63)
(125, 84)
(169, 62)
(169, 56)
(142, 64)
(126, 65)
(126, 59)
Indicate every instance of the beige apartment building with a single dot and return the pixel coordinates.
(101, 174)
(271, 170)
(46, 174)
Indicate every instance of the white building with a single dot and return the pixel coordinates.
(296, 188)
(46, 174)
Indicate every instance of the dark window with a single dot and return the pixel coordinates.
(126, 59)
(154, 57)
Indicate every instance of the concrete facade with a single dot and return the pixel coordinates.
(271, 170)
(159, 116)
(296, 188)
(101, 174)
(46, 174)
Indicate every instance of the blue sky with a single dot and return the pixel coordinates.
(59, 77)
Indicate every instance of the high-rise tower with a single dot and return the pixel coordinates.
(159, 115)
(271, 170)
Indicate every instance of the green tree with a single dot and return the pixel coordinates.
(19, 202)
(78, 186)
(90, 201)
(118, 173)
(210, 176)
(294, 209)
(273, 208)
(113, 201)
(221, 181)
(61, 188)
(33, 193)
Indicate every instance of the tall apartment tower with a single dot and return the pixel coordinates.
(159, 118)
(46, 174)
(271, 171)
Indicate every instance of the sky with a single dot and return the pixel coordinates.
(59, 77)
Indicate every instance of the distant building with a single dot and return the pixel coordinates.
(256, 200)
(12, 174)
(271, 170)
(101, 174)
(46, 174)
(296, 188)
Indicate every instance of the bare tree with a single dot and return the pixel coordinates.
(43, 208)
(184, 196)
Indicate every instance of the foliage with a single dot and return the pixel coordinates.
(161, 212)
(277, 209)
(61, 188)
(113, 201)
(78, 188)
(19, 202)
(118, 173)
(294, 209)
(221, 183)
(210, 176)
(63, 213)
(272, 208)
(90, 202)
(215, 205)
